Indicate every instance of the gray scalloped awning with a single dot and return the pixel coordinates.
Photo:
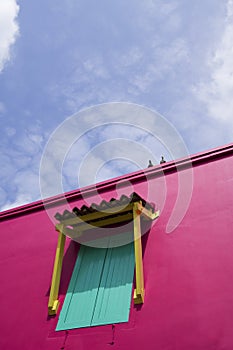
(103, 206)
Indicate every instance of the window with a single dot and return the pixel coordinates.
(100, 289)
(93, 284)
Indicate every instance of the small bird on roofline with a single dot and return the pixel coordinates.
(162, 160)
(150, 164)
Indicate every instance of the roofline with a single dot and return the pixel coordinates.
(155, 171)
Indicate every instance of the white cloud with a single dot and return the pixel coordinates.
(24, 187)
(10, 131)
(21, 199)
(2, 108)
(217, 92)
(163, 61)
(121, 74)
(3, 195)
(19, 161)
(9, 29)
(137, 53)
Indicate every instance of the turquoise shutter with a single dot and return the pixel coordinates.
(77, 310)
(100, 288)
(115, 291)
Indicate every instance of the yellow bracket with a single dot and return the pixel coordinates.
(139, 210)
(139, 290)
(53, 297)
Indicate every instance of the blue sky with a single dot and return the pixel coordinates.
(57, 58)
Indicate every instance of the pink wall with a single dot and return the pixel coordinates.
(188, 274)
